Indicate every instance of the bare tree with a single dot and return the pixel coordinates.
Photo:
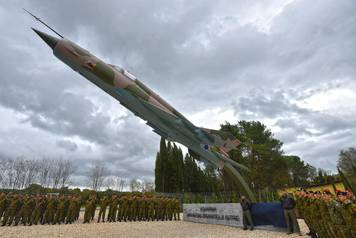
(136, 185)
(148, 186)
(19, 173)
(121, 183)
(7, 173)
(67, 171)
(96, 175)
(110, 183)
(2, 172)
(32, 171)
(44, 172)
(60, 172)
(56, 172)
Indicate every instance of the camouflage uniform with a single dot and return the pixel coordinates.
(129, 209)
(113, 209)
(38, 212)
(11, 212)
(66, 209)
(125, 207)
(134, 208)
(169, 209)
(324, 205)
(71, 215)
(307, 214)
(120, 209)
(103, 205)
(142, 209)
(164, 209)
(338, 220)
(51, 209)
(89, 206)
(151, 209)
(177, 210)
(79, 204)
(348, 212)
(25, 212)
(288, 204)
(92, 215)
(158, 209)
(60, 213)
(4, 203)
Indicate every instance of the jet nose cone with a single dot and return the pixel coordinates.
(50, 40)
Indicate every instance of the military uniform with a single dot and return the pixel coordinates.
(164, 209)
(50, 211)
(92, 215)
(150, 209)
(25, 212)
(89, 206)
(125, 207)
(120, 209)
(79, 204)
(177, 210)
(60, 212)
(134, 208)
(4, 203)
(169, 209)
(348, 213)
(129, 209)
(142, 209)
(158, 209)
(38, 212)
(288, 205)
(324, 206)
(103, 205)
(113, 209)
(71, 215)
(11, 212)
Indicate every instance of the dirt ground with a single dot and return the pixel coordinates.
(171, 229)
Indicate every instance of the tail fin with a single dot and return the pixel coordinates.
(222, 139)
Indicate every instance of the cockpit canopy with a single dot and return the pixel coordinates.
(124, 71)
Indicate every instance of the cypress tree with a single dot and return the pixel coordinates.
(158, 171)
(163, 166)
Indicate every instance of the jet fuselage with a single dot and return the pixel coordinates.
(211, 146)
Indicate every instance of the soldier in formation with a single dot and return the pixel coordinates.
(327, 215)
(288, 204)
(139, 208)
(37, 209)
(49, 209)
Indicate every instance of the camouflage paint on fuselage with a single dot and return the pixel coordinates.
(212, 146)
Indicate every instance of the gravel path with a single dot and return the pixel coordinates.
(171, 229)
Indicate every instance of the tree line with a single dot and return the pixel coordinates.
(19, 173)
(270, 168)
(175, 173)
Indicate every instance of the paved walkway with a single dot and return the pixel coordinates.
(169, 229)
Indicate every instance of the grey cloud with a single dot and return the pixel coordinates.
(317, 135)
(197, 55)
(261, 104)
(68, 145)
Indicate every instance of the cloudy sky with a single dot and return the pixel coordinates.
(290, 64)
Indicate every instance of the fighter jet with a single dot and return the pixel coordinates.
(207, 145)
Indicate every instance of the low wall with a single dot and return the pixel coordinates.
(267, 216)
(214, 213)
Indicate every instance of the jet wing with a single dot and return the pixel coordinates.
(171, 121)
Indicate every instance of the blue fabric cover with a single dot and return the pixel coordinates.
(268, 213)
